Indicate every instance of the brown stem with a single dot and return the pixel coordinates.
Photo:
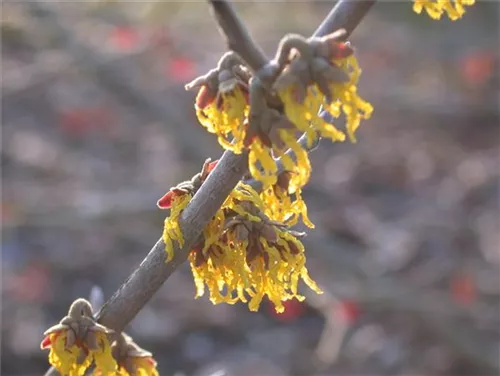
(238, 38)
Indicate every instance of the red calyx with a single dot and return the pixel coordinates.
(166, 201)
(46, 342)
(205, 97)
(341, 50)
(463, 289)
(151, 361)
(212, 165)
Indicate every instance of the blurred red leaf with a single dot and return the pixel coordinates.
(477, 67)
(463, 289)
(293, 310)
(124, 38)
(31, 284)
(78, 121)
(180, 69)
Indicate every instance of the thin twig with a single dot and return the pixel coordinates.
(237, 37)
(153, 271)
(345, 15)
(138, 289)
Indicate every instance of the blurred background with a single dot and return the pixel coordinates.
(96, 126)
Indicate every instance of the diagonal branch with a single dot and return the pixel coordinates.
(344, 15)
(138, 289)
(237, 37)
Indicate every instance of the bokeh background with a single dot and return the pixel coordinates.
(96, 126)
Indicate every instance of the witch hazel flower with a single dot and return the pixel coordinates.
(132, 360)
(222, 103)
(245, 252)
(176, 199)
(320, 73)
(78, 341)
(245, 255)
(283, 201)
(454, 9)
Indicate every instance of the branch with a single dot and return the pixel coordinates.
(237, 37)
(153, 271)
(138, 289)
(344, 15)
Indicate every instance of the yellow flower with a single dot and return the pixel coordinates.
(261, 163)
(305, 115)
(282, 204)
(300, 165)
(223, 114)
(346, 98)
(71, 361)
(103, 358)
(246, 256)
(78, 341)
(176, 199)
(132, 360)
(172, 230)
(143, 366)
(247, 250)
(436, 8)
(304, 112)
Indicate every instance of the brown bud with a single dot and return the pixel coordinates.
(253, 250)
(241, 232)
(284, 180)
(199, 258)
(268, 232)
(293, 248)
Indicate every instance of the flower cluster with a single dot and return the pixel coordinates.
(455, 9)
(177, 199)
(78, 343)
(222, 103)
(319, 73)
(312, 73)
(131, 359)
(247, 251)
